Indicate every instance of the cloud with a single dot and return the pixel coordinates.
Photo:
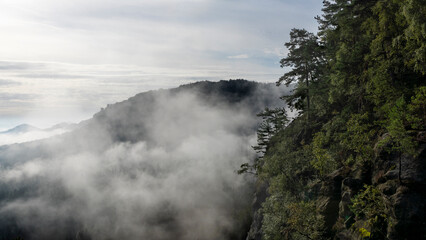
(158, 166)
(119, 48)
(51, 76)
(13, 65)
(280, 52)
(7, 138)
(62, 92)
(241, 56)
(17, 96)
(4, 82)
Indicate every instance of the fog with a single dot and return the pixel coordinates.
(11, 136)
(158, 166)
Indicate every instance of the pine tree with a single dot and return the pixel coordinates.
(306, 59)
(273, 121)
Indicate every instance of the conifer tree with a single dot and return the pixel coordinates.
(306, 60)
(273, 121)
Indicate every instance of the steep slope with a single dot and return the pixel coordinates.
(351, 165)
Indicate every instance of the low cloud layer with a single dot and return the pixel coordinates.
(11, 137)
(174, 178)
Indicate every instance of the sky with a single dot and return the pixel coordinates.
(62, 61)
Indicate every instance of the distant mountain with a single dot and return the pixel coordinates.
(25, 133)
(21, 129)
(160, 165)
(62, 126)
(24, 128)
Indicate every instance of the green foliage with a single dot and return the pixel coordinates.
(414, 12)
(417, 110)
(302, 221)
(273, 120)
(395, 54)
(286, 167)
(369, 205)
(396, 127)
(361, 79)
(284, 219)
(360, 135)
(343, 28)
(306, 60)
(274, 216)
(364, 233)
(403, 116)
(323, 161)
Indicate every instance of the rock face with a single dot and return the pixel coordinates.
(328, 202)
(255, 232)
(403, 192)
(408, 199)
(401, 184)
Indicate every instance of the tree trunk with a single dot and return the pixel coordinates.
(400, 169)
(307, 91)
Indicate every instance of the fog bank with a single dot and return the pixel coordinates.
(160, 165)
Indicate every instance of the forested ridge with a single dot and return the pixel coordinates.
(157, 166)
(351, 165)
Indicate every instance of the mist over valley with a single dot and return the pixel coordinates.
(160, 165)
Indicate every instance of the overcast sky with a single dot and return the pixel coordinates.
(64, 60)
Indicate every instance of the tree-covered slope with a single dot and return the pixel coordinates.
(352, 164)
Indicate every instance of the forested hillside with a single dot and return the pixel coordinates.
(352, 164)
(158, 166)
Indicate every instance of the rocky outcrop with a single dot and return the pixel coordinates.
(328, 201)
(255, 232)
(401, 182)
(407, 197)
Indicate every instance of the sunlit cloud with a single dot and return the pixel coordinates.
(241, 56)
(80, 55)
